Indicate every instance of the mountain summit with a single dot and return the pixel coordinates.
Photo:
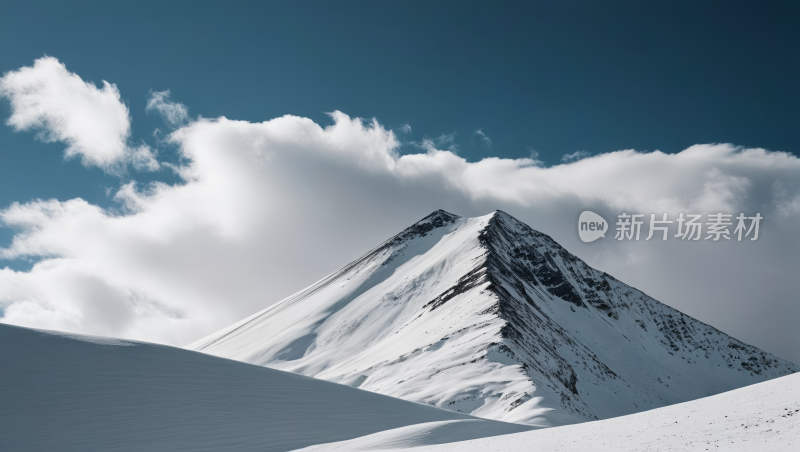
(489, 317)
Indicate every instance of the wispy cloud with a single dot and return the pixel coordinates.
(173, 113)
(445, 141)
(534, 157)
(483, 137)
(575, 156)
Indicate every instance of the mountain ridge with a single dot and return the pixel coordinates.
(490, 317)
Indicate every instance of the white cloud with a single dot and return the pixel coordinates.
(483, 136)
(173, 113)
(575, 156)
(265, 209)
(143, 158)
(446, 141)
(94, 123)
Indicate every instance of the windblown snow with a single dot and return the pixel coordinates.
(64, 392)
(487, 316)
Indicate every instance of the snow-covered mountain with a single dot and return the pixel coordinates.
(489, 317)
(66, 392)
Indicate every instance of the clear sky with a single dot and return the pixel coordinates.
(554, 82)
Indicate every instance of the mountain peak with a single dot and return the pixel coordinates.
(438, 217)
(490, 317)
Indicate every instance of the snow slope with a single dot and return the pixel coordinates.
(62, 392)
(489, 317)
(761, 417)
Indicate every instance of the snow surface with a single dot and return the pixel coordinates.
(489, 317)
(66, 392)
(761, 417)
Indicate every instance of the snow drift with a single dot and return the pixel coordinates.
(762, 417)
(67, 392)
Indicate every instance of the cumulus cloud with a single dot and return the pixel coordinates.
(265, 209)
(60, 106)
(173, 113)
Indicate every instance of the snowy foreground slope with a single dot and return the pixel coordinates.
(61, 392)
(761, 417)
(489, 317)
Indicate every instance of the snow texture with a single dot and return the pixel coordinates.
(66, 392)
(762, 417)
(490, 317)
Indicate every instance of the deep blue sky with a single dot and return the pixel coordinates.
(555, 77)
